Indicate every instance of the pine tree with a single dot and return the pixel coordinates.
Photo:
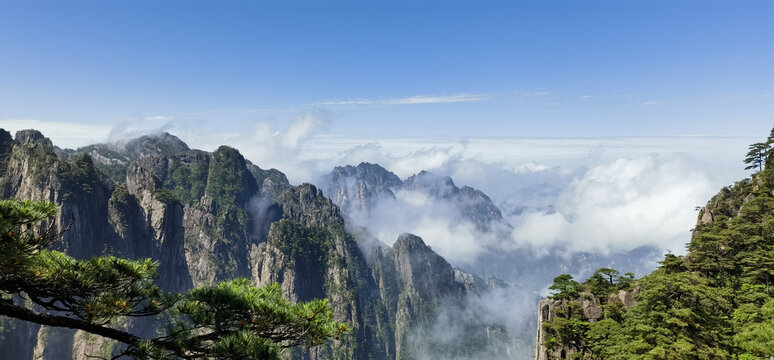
(756, 156)
(565, 287)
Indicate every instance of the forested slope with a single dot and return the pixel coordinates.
(716, 302)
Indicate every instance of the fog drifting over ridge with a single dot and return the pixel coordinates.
(570, 194)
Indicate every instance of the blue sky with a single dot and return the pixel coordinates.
(395, 68)
(602, 99)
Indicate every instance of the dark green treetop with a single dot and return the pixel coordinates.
(565, 287)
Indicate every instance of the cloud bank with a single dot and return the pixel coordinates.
(620, 206)
(581, 194)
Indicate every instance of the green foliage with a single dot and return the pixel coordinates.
(116, 172)
(231, 320)
(678, 316)
(714, 303)
(565, 287)
(311, 243)
(757, 155)
(755, 334)
(120, 197)
(165, 196)
(226, 177)
(6, 146)
(257, 322)
(602, 337)
(188, 183)
(602, 282)
(41, 159)
(227, 182)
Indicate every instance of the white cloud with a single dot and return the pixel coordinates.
(132, 128)
(531, 167)
(263, 145)
(62, 134)
(622, 205)
(299, 130)
(438, 222)
(413, 100)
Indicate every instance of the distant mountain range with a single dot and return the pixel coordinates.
(358, 190)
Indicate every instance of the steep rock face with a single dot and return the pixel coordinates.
(357, 188)
(726, 203)
(426, 279)
(591, 310)
(311, 256)
(432, 306)
(35, 172)
(219, 227)
(6, 146)
(208, 197)
(439, 186)
(85, 344)
(421, 270)
(271, 182)
(478, 206)
(163, 222)
(100, 218)
(18, 338)
(306, 205)
(30, 167)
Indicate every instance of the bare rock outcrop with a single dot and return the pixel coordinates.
(591, 310)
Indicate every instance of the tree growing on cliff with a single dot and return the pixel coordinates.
(565, 287)
(230, 320)
(756, 156)
(602, 282)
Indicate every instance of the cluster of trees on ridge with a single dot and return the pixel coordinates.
(230, 320)
(716, 302)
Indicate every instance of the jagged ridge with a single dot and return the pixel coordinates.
(213, 216)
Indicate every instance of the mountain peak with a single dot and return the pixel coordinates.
(358, 186)
(32, 136)
(437, 185)
(155, 144)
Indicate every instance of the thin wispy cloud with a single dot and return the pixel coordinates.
(413, 100)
